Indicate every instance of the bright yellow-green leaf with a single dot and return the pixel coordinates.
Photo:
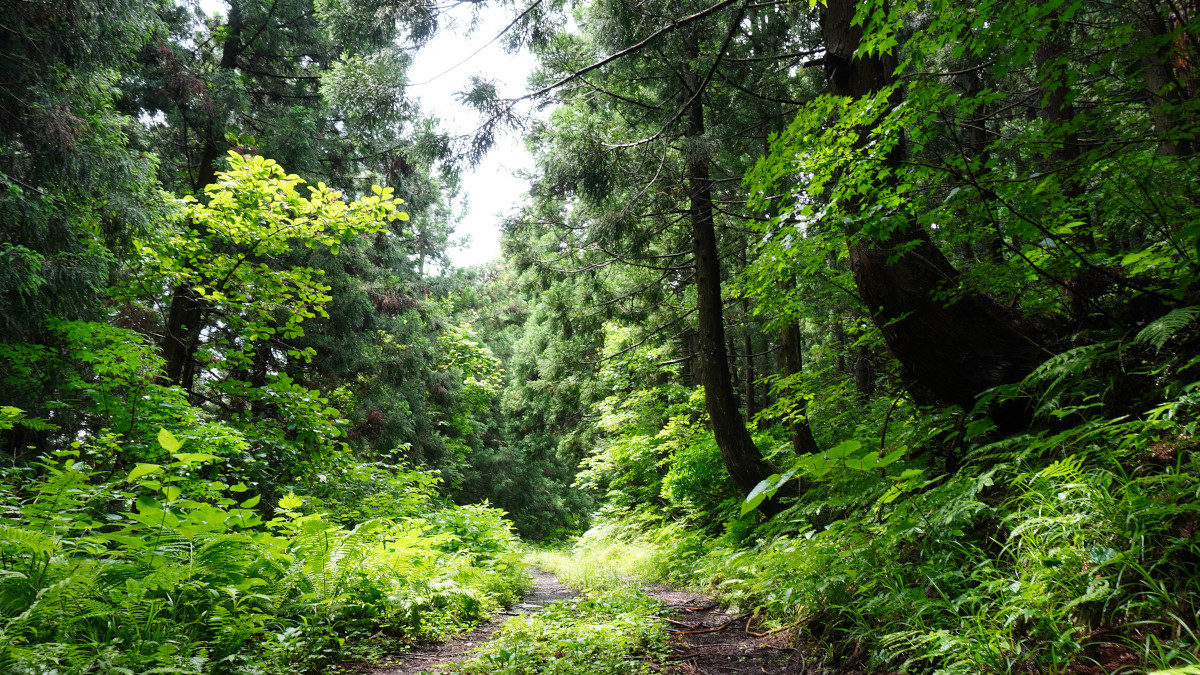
(168, 441)
(291, 502)
(193, 457)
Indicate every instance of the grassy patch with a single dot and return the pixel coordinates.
(611, 628)
(605, 557)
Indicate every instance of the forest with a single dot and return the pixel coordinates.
(875, 321)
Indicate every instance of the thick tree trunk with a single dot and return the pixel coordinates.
(864, 373)
(181, 337)
(839, 333)
(741, 457)
(861, 366)
(957, 350)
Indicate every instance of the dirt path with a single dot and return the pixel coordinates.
(706, 640)
(425, 657)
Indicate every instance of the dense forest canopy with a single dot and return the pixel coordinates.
(881, 318)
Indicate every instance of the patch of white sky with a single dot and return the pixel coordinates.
(460, 50)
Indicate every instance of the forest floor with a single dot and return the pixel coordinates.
(703, 639)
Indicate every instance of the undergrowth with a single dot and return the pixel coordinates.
(1072, 548)
(603, 558)
(161, 570)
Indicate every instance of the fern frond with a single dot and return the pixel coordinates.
(1055, 374)
(31, 541)
(1159, 331)
(1071, 363)
(1069, 468)
(62, 599)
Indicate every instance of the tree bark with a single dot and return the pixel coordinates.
(793, 364)
(748, 349)
(181, 335)
(957, 350)
(741, 457)
(1166, 92)
(1058, 111)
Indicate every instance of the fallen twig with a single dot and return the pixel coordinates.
(750, 621)
(774, 630)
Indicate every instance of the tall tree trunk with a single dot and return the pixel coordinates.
(1058, 111)
(793, 364)
(741, 457)
(861, 366)
(747, 345)
(748, 349)
(1166, 92)
(181, 335)
(957, 350)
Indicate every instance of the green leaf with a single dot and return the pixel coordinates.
(168, 441)
(842, 449)
(756, 496)
(864, 463)
(253, 501)
(187, 458)
(1158, 332)
(143, 470)
(291, 502)
(891, 457)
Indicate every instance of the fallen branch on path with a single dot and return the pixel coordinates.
(773, 630)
